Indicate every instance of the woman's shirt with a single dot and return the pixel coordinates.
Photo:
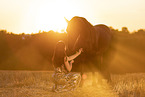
(61, 69)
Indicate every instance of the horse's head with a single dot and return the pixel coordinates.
(79, 32)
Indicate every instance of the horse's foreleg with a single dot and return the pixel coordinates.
(82, 72)
(82, 80)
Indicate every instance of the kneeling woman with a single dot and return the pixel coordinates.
(63, 78)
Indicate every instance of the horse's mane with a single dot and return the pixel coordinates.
(82, 23)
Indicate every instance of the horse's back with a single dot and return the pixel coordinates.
(104, 38)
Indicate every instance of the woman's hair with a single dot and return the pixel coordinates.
(59, 54)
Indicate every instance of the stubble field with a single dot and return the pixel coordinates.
(39, 84)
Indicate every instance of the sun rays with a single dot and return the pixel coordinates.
(127, 59)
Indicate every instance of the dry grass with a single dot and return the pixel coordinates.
(129, 85)
(39, 84)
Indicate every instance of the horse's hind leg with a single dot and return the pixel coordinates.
(106, 72)
(107, 76)
(93, 79)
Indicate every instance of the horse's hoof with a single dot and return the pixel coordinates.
(81, 85)
(94, 83)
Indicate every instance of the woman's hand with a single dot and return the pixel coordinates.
(72, 61)
(72, 57)
(80, 50)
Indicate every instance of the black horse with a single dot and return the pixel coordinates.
(95, 41)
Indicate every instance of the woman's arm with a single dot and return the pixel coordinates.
(67, 64)
(72, 57)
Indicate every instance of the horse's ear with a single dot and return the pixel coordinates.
(66, 20)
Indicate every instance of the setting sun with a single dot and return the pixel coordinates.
(50, 17)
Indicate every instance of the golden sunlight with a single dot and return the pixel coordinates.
(51, 17)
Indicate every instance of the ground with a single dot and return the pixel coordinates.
(39, 84)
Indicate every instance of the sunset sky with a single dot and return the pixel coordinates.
(29, 16)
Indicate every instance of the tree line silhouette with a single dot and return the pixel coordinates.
(34, 51)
